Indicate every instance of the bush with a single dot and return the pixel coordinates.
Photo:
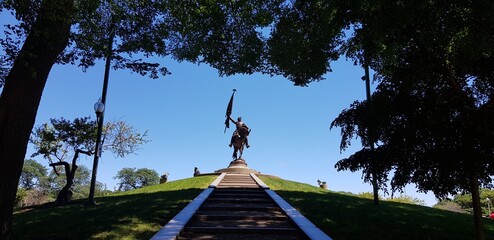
(449, 205)
(20, 197)
(407, 199)
(367, 195)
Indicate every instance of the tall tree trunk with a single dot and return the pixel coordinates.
(371, 137)
(22, 94)
(477, 210)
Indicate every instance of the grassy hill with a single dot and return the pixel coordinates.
(344, 216)
(138, 214)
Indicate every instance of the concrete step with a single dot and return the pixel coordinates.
(240, 236)
(242, 223)
(240, 207)
(238, 179)
(238, 215)
(238, 200)
(238, 185)
(243, 234)
(238, 191)
(257, 230)
(238, 176)
(238, 195)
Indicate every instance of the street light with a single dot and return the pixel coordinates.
(99, 108)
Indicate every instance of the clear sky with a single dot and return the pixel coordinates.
(184, 114)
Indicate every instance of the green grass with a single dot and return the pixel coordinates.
(136, 214)
(139, 214)
(344, 216)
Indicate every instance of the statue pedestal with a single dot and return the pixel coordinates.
(237, 166)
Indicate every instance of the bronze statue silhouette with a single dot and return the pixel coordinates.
(239, 138)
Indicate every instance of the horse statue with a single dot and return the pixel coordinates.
(238, 142)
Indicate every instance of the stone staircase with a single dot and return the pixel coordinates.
(238, 205)
(239, 209)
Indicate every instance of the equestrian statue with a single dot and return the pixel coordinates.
(240, 136)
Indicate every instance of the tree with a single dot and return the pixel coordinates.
(34, 184)
(227, 35)
(305, 39)
(80, 181)
(57, 140)
(33, 175)
(132, 178)
(127, 179)
(432, 113)
(147, 177)
(21, 95)
(20, 197)
(435, 98)
(466, 204)
(310, 34)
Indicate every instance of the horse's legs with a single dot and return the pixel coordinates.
(241, 149)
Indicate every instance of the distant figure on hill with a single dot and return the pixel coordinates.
(322, 184)
(164, 178)
(196, 171)
(492, 215)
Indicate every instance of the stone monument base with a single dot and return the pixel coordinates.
(237, 166)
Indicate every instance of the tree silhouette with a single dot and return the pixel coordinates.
(61, 138)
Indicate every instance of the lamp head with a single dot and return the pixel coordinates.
(99, 107)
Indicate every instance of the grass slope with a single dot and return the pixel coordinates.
(139, 214)
(348, 217)
(136, 214)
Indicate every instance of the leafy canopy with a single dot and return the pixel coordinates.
(33, 175)
(132, 178)
(431, 113)
(227, 35)
(60, 138)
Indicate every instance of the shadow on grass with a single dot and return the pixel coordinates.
(135, 216)
(349, 217)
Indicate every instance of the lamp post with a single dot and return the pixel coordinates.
(99, 108)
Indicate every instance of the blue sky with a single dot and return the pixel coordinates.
(184, 114)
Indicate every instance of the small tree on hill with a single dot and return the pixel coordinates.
(132, 178)
(61, 138)
(80, 181)
(33, 175)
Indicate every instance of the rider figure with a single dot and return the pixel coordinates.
(242, 130)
